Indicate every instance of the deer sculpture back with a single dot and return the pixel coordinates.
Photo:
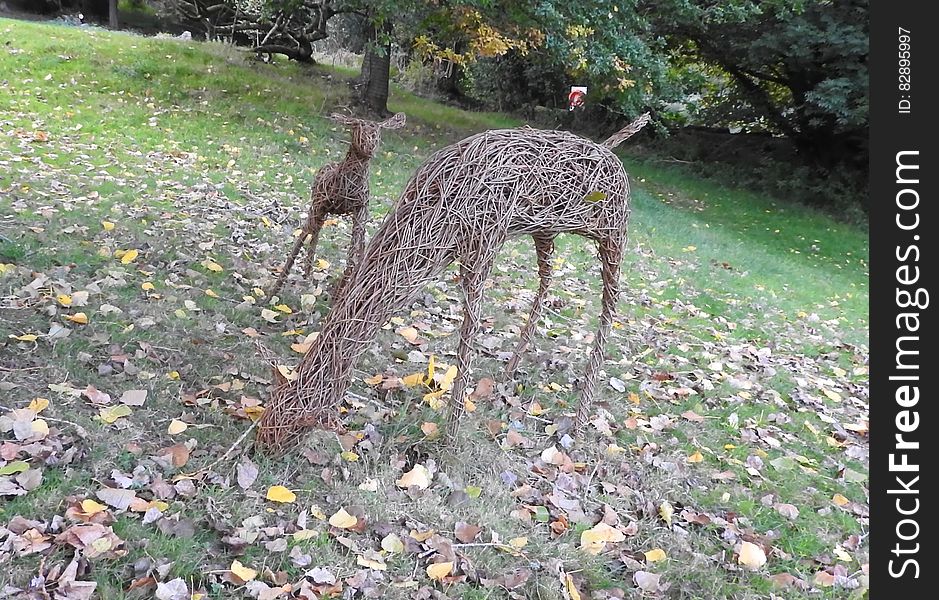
(462, 204)
(341, 188)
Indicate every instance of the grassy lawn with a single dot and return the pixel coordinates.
(150, 189)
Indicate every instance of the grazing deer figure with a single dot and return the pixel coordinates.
(341, 188)
(462, 204)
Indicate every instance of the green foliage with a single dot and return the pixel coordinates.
(794, 67)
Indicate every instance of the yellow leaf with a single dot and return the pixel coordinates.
(108, 226)
(448, 378)
(594, 540)
(284, 309)
(655, 555)
(80, 318)
(349, 456)
(431, 368)
(696, 457)
(90, 507)
(26, 337)
(269, 315)
(317, 513)
(279, 493)
(304, 534)
(519, 542)
(421, 536)
(342, 520)
(129, 256)
(438, 571)
(211, 294)
(176, 427)
(666, 511)
(751, 556)
(147, 286)
(569, 580)
(242, 572)
(374, 380)
(321, 264)
(173, 375)
(64, 299)
(634, 398)
(469, 406)
(418, 476)
(38, 405)
(392, 544)
(40, 428)
(840, 500)
(413, 379)
(110, 414)
(212, 265)
(832, 395)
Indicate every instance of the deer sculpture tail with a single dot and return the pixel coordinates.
(627, 132)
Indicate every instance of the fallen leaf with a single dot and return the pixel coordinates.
(655, 555)
(279, 493)
(79, 317)
(176, 427)
(116, 498)
(751, 556)
(595, 539)
(134, 397)
(418, 477)
(343, 520)
(129, 256)
(242, 572)
(437, 571)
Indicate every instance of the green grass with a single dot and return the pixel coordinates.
(744, 309)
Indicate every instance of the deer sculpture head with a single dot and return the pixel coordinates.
(366, 134)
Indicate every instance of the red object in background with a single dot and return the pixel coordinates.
(577, 97)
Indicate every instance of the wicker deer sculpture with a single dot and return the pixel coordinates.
(462, 204)
(341, 188)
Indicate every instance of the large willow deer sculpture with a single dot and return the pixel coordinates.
(341, 188)
(462, 204)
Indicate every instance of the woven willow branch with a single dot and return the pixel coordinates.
(341, 188)
(462, 204)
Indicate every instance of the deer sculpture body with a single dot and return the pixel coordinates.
(341, 188)
(462, 204)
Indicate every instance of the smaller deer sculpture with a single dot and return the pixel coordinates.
(341, 188)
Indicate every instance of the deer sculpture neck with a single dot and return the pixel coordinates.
(463, 203)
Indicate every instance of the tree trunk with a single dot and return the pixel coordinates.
(376, 69)
(112, 15)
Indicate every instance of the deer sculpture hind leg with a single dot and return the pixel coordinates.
(610, 254)
(315, 226)
(544, 248)
(356, 250)
(308, 235)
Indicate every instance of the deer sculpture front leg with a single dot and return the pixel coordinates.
(610, 254)
(474, 271)
(309, 233)
(544, 248)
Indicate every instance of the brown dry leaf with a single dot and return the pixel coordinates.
(431, 430)
(134, 397)
(647, 582)
(115, 498)
(409, 333)
(465, 532)
(247, 473)
(178, 454)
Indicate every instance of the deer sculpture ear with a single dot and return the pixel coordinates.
(344, 119)
(395, 122)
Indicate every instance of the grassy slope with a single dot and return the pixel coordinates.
(181, 144)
